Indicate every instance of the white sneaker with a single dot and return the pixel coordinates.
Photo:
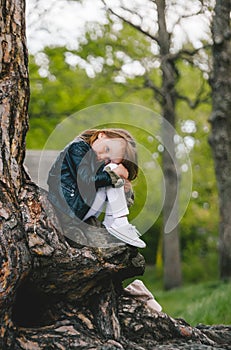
(128, 234)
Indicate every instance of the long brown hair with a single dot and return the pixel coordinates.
(130, 159)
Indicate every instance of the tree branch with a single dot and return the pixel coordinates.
(137, 27)
(148, 83)
(198, 100)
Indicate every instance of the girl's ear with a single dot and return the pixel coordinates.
(101, 135)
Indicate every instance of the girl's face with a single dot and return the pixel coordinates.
(109, 149)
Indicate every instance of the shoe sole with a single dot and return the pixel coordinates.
(136, 243)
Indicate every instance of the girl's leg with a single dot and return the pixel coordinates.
(108, 217)
(116, 220)
(98, 204)
(116, 208)
(116, 203)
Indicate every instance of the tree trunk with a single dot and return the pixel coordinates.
(53, 295)
(172, 261)
(221, 126)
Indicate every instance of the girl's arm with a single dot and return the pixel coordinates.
(86, 172)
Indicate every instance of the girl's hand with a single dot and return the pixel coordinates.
(121, 171)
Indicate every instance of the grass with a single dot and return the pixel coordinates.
(207, 303)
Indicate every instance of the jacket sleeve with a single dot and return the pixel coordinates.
(86, 171)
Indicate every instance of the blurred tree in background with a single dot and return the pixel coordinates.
(221, 126)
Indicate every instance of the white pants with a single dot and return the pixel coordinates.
(113, 198)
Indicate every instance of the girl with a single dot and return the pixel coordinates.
(94, 171)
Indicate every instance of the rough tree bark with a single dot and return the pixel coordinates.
(53, 295)
(221, 126)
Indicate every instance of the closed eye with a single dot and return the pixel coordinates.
(107, 149)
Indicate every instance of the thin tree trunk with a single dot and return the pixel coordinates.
(172, 261)
(221, 126)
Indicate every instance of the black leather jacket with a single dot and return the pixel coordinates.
(74, 179)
